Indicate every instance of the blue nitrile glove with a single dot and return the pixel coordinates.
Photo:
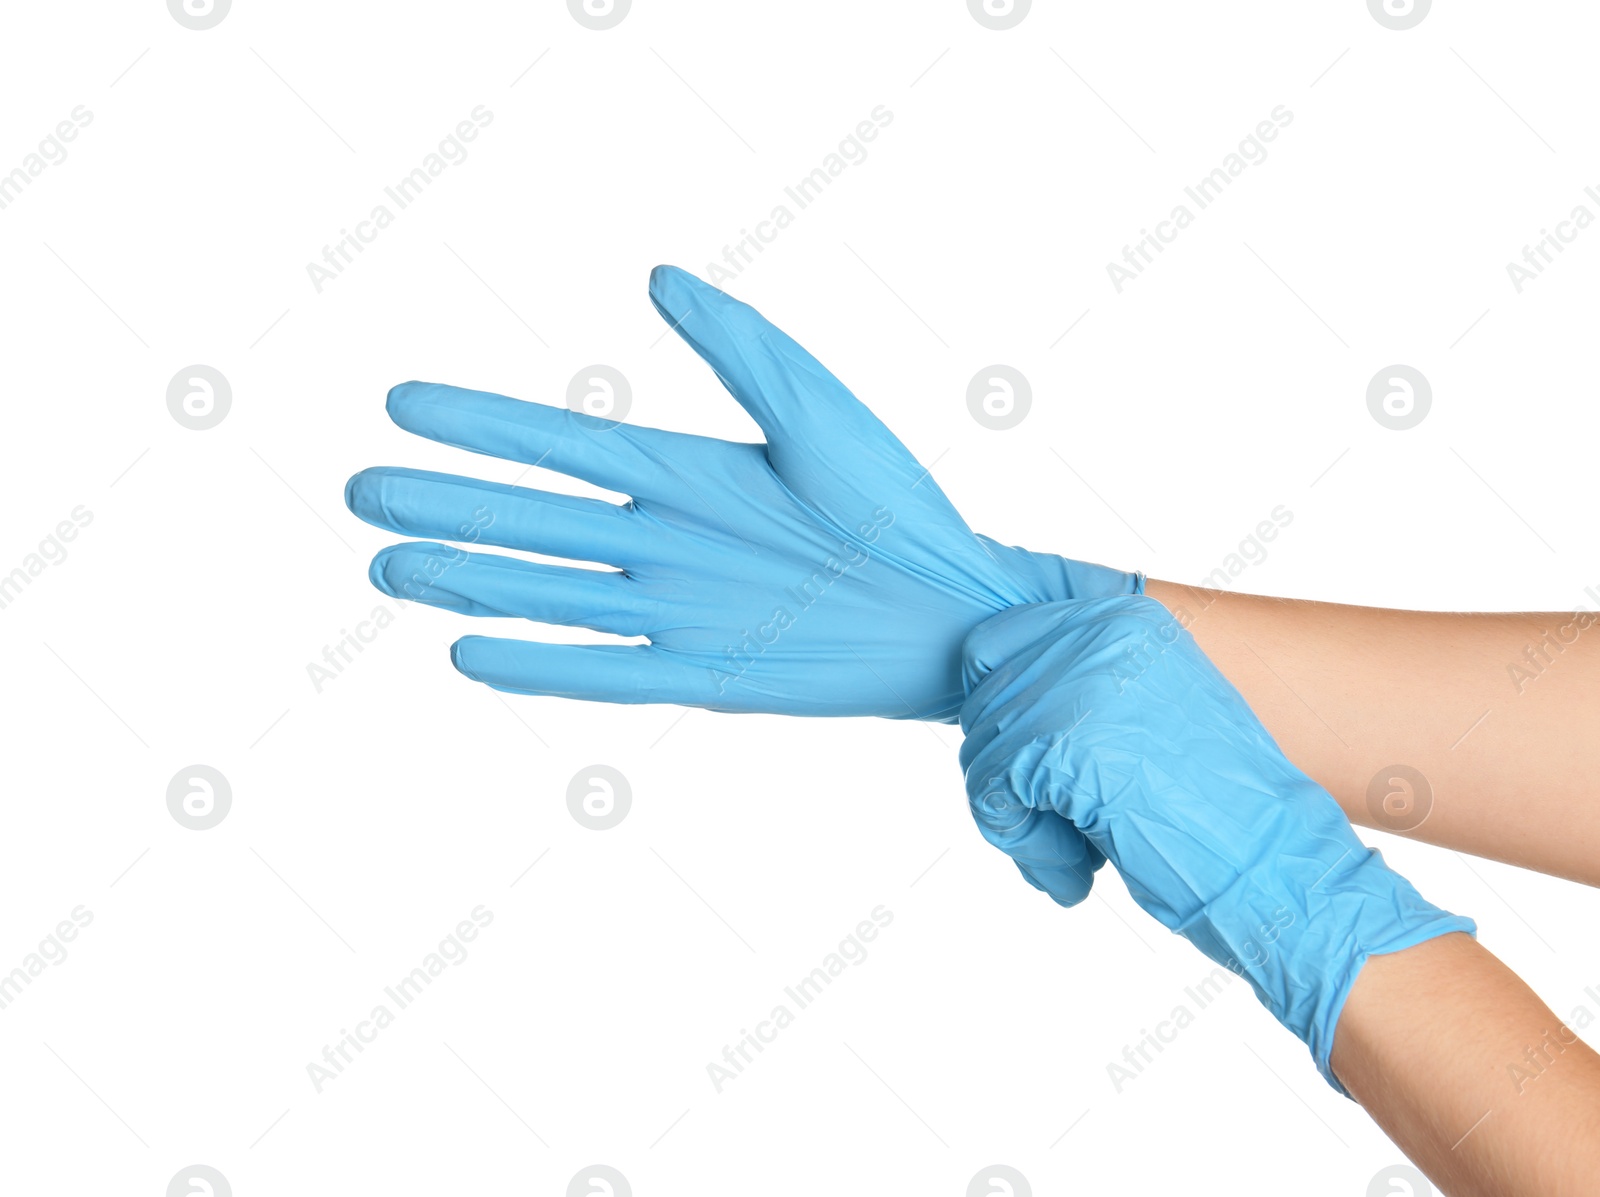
(821, 573)
(1100, 730)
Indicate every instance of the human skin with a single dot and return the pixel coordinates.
(1470, 1074)
(1348, 692)
(1447, 1049)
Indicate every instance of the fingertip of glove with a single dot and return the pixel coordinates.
(401, 403)
(670, 285)
(389, 565)
(687, 301)
(458, 655)
(363, 493)
(417, 558)
(377, 571)
(351, 489)
(665, 273)
(1064, 898)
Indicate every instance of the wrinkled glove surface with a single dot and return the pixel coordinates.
(1099, 730)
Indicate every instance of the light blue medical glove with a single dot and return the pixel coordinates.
(821, 573)
(1099, 730)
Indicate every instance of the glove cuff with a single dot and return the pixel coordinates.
(1301, 950)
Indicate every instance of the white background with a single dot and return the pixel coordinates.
(370, 817)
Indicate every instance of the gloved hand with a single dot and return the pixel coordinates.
(1100, 730)
(821, 573)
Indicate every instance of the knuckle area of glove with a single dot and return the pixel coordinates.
(1098, 660)
(1128, 618)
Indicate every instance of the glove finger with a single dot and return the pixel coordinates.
(1067, 883)
(1052, 854)
(792, 396)
(620, 457)
(433, 506)
(594, 672)
(488, 585)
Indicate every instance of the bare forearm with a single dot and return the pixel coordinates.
(1471, 1074)
(1496, 714)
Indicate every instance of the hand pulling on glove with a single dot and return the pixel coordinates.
(1099, 730)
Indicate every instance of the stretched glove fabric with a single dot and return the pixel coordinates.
(1100, 730)
(821, 573)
